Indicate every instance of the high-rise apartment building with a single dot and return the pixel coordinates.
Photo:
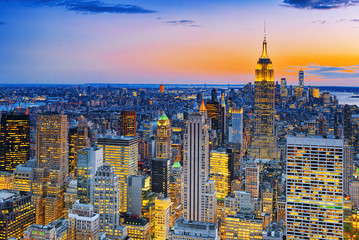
(128, 123)
(314, 188)
(17, 212)
(106, 199)
(121, 153)
(252, 179)
(83, 222)
(263, 145)
(89, 160)
(51, 168)
(196, 168)
(78, 139)
(14, 140)
(163, 138)
(161, 176)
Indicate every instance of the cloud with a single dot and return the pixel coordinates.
(319, 4)
(88, 6)
(186, 23)
(330, 72)
(320, 21)
(355, 20)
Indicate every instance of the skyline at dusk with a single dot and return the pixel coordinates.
(137, 41)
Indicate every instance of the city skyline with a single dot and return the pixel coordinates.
(178, 42)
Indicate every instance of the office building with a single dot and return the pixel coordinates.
(89, 160)
(83, 222)
(213, 110)
(252, 179)
(14, 140)
(51, 168)
(314, 188)
(17, 212)
(235, 132)
(137, 228)
(128, 123)
(163, 138)
(193, 230)
(197, 192)
(220, 172)
(263, 145)
(138, 187)
(161, 176)
(121, 153)
(6, 180)
(23, 176)
(301, 83)
(283, 88)
(106, 199)
(78, 139)
(245, 226)
(163, 214)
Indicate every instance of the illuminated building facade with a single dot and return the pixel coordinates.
(283, 88)
(89, 160)
(106, 199)
(314, 188)
(6, 180)
(193, 230)
(252, 180)
(163, 138)
(138, 228)
(235, 131)
(121, 153)
(51, 168)
(243, 226)
(267, 198)
(220, 172)
(163, 213)
(263, 145)
(213, 114)
(161, 176)
(128, 123)
(83, 222)
(176, 192)
(78, 139)
(23, 176)
(17, 212)
(197, 193)
(162, 88)
(14, 140)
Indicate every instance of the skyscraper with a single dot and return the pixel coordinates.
(14, 140)
(314, 188)
(121, 153)
(78, 139)
(106, 199)
(301, 82)
(128, 123)
(89, 160)
(214, 95)
(196, 168)
(51, 167)
(235, 132)
(163, 213)
(283, 88)
(163, 138)
(220, 172)
(161, 176)
(252, 180)
(263, 145)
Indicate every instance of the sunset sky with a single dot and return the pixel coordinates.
(177, 41)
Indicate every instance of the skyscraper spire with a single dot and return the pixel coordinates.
(264, 52)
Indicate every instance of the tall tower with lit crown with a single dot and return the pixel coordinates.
(163, 138)
(263, 146)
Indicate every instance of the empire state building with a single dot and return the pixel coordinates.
(263, 145)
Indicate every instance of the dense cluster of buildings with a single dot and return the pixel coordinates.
(268, 161)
